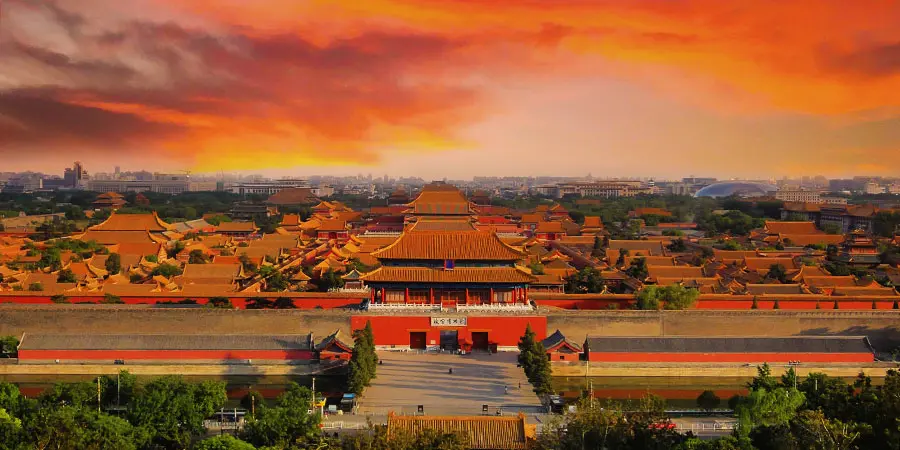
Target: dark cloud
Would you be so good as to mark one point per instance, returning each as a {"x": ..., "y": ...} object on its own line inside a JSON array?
[
  {"x": 874, "y": 61},
  {"x": 338, "y": 91},
  {"x": 36, "y": 117}
]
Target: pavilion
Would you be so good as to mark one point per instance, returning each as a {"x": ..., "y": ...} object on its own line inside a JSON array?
[{"x": 448, "y": 267}]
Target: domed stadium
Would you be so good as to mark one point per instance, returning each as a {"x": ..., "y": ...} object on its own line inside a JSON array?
[{"x": 739, "y": 188}]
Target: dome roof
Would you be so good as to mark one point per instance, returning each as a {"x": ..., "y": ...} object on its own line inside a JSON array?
[{"x": 740, "y": 188}]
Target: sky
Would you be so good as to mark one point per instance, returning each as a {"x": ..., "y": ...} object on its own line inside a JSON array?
[{"x": 453, "y": 88}]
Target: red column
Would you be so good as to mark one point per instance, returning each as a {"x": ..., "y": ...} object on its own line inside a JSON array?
[
  {"x": 373, "y": 295},
  {"x": 467, "y": 296},
  {"x": 431, "y": 295},
  {"x": 383, "y": 300},
  {"x": 406, "y": 296},
  {"x": 491, "y": 298}
]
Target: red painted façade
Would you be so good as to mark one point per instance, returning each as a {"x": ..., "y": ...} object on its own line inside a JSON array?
[{"x": 481, "y": 332}]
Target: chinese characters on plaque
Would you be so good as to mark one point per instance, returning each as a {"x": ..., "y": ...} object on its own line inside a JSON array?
[{"x": 448, "y": 321}]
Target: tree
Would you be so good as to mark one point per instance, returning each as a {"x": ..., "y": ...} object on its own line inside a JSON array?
[
  {"x": 223, "y": 442},
  {"x": 638, "y": 269},
  {"x": 536, "y": 268},
  {"x": 677, "y": 246},
  {"x": 648, "y": 298},
  {"x": 288, "y": 422},
  {"x": 769, "y": 404},
  {"x": 533, "y": 359},
  {"x": 678, "y": 297},
  {"x": 65, "y": 276},
  {"x": 167, "y": 270},
  {"x": 172, "y": 410},
  {"x": 277, "y": 282},
  {"x": 11, "y": 432},
  {"x": 585, "y": 281},
  {"x": 197, "y": 257},
  {"x": 59, "y": 298},
  {"x": 251, "y": 401},
  {"x": 708, "y": 401},
  {"x": 284, "y": 303},
  {"x": 813, "y": 430},
  {"x": 259, "y": 303},
  {"x": 9, "y": 348},
  {"x": 175, "y": 249},
  {"x": 776, "y": 305},
  {"x": 755, "y": 304},
  {"x": 672, "y": 297},
  {"x": 328, "y": 280},
  {"x": 69, "y": 427},
  {"x": 220, "y": 302},
  {"x": 777, "y": 272},
  {"x": 35, "y": 287},
  {"x": 70, "y": 394},
  {"x": 113, "y": 263},
  {"x": 111, "y": 299},
  {"x": 363, "y": 362},
  {"x": 118, "y": 390}
]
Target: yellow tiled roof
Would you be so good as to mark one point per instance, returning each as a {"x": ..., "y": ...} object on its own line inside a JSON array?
[
  {"x": 133, "y": 222},
  {"x": 776, "y": 227},
  {"x": 458, "y": 275},
  {"x": 456, "y": 245},
  {"x": 479, "y": 432}
]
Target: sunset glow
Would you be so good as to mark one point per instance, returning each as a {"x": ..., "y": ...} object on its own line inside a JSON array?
[{"x": 453, "y": 88}]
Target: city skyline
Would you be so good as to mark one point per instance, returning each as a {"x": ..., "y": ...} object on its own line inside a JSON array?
[{"x": 453, "y": 89}]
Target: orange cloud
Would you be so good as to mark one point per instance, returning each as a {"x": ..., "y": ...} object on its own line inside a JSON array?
[
  {"x": 814, "y": 56},
  {"x": 233, "y": 84}
]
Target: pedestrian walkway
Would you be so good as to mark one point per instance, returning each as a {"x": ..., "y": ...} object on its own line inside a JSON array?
[{"x": 407, "y": 380}]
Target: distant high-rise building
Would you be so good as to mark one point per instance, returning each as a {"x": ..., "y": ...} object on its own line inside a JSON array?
[{"x": 75, "y": 176}]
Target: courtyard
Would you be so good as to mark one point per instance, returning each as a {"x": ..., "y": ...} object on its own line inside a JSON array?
[{"x": 409, "y": 379}]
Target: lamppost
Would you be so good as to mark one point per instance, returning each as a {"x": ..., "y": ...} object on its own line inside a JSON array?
[{"x": 793, "y": 365}]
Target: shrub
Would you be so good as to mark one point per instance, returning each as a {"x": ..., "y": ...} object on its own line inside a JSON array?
[
  {"x": 35, "y": 287},
  {"x": 59, "y": 298},
  {"x": 110, "y": 299},
  {"x": 220, "y": 302}
]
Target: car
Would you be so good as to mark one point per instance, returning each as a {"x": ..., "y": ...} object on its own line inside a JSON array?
[{"x": 662, "y": 426}]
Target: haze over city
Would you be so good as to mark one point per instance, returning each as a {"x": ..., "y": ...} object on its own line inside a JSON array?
[{"x": 453, "y": 89}]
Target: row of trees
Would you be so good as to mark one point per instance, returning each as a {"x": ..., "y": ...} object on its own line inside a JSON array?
[
  {"x": 785, "y": 413},
  {"x": 589, "y": 280},
  {"x": 533, "y": 359},
  {"x": 165, "y": 413},
  {"x": 672, "y": 297}
]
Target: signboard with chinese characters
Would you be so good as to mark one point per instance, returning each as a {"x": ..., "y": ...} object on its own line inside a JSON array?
[{"x": 448, "y": 321}]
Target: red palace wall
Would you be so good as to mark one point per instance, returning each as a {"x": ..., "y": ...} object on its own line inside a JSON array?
[
  {"x": 716, "y": 302},
  {"x": 83, "y": 355},
  {"x": 731, "y": 357},
  {"x": 503, "y": 331},
  {"x": 306, "y": 302}
]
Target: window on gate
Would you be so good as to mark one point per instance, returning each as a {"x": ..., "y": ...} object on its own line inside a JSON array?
[{"x": 392, "y": 296}]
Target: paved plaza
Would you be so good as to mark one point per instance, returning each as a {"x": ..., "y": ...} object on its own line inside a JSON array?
[{"x": 409, "y": 379}]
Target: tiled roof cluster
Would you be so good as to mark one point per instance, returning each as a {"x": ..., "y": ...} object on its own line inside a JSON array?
[{"x": 479, "y": 432}]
